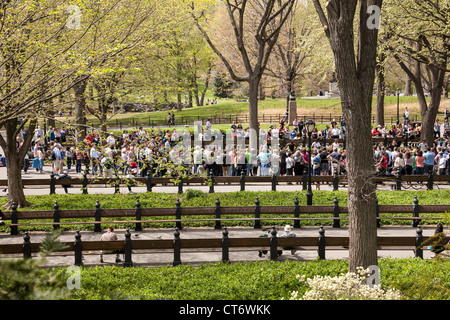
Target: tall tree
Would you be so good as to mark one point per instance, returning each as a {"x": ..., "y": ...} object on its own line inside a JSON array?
[
  {"x": 36, "y": 65},
  {"x": 356, "y": 73},
  {"x": 299, "y": 40},
  {"x": 265, "y": 18},
  {"x": 418, "y": 33}
]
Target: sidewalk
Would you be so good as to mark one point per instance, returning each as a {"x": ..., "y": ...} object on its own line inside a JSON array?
[
  {"x": 218, "y": 188},
  {"x": 165, "y": 257}
]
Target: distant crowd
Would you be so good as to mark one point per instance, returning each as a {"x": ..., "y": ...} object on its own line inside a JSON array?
[{"x": 139, "y": 152}]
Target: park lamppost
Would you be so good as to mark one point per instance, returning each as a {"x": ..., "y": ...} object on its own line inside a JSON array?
[
  {"x": 398, "y": 106},
  {"x": 309, "y": 124}
]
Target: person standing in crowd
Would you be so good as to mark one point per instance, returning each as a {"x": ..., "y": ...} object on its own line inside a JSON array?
[{"x": 428, "y": 161}]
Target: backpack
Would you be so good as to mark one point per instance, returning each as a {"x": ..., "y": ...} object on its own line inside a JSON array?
[{"x": 53, "y": 156}]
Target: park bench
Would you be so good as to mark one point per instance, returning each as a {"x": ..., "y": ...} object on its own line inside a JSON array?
[
  {"x": 217, "y": 214},
  {"x": 273, "y": 244}
]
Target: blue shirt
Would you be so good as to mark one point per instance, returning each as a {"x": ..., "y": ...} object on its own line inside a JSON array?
[{"x": 428, "y": 158}]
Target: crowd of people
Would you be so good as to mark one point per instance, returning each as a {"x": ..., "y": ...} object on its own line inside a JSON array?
[{"x": 140, "y": 152}]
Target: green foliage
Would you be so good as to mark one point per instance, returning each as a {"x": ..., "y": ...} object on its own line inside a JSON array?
[
  {"x": 192, "y": 193},
  {"x": 23, "y": 279},
  {"x": 222, "y": 86},
  {"x": 266, "y": 280},
  {"x": 196, "y": 198}
]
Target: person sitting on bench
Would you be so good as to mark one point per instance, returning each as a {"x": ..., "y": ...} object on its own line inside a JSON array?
[
  {"x": 288, "y": 233},
  {"x": 110, "y": 236}
]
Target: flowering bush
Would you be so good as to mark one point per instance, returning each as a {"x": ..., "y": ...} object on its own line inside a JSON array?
[{"x": 350, "y": 286}]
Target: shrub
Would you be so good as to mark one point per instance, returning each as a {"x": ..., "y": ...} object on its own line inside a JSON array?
[{"x": 349, "y": 286}]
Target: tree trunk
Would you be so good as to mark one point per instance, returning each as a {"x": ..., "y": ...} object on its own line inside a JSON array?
[
  {"x": 80, "y": 110},
  {"x": 253, "y": 109},
  {"x": 379, "y": 108},
  {"x": 429, "y": 114},
  {"x": 361, "y": 187},
  {"x": 15, "y": 157},
  {"x": 179, "y": 102},
  {"x": 408, "y": 86},
  {"x": 208, "y": 76},
  {"x": 356, "y": 76}
]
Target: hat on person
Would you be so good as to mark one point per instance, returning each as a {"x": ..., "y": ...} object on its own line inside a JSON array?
[
  {"x": 287, "y": 228},
  {"x": 65, "y": 172}
]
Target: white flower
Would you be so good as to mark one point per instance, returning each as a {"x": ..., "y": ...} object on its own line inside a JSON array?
[{"x": 350, "y": 286}]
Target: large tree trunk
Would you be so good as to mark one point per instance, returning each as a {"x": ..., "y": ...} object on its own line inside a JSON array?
[
  {"x": 15, "y": 157},
  {"x": 356, "y": 76},
  {"x": 429, "y": 113}
]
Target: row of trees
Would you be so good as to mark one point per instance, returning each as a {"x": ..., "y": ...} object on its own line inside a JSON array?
[{"x": 92, "y": 54}]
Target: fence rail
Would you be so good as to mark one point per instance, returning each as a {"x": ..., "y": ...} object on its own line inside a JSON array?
[
  {"x": 230, "y": 118},
  {"x": 398, "y": 181},
  {"x": 180, "y": 215},
  {"x": 272, "y": 243}
]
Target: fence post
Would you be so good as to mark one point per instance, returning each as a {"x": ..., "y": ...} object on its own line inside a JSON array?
[
  {"x": 296, "y": 213},
  {"x": 117, "y": 185},
  {"x": 322, "y": 244},
  {"x": 335, "y": 182},
  {"x": 78, "y": 249},
  {"x": 176, "y": 248},
  {"x": 430, "y": 180},
  {"x": 14, "y": 219},
  {"x": 273, "y": 244},
  {"x": 149, "y": 181},
  {"x": 26, "y": 246},
  {"x": 336, "y": 210},
  {"x": 242, "y": 180},
  {"x": 52, "y": 184},
  {"x": 398, "y": 181},
  {"x": 56, "y": 216},
  {"x": 178, "y": 214},
  {"x": 138, "y": 226},
  {"x": 419, "y": 240},
  {"x": 274, "y": 182},
  {"x": 225, "y": 245},
  {"x": 305, "y": 178},
  {"x": 211, "y": 182},
  {"x": 416, "y": 212},
  {"x": 128, "y": 249},
  {"x": 85, "y": 183},
  {"x": 180, "y": 186},
  {"x": 218, "y": 224},
  {"x": 257, "y": 224},
  {"x": 98, "y": 217}
]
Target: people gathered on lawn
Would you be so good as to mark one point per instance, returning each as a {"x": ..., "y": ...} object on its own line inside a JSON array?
[{"x": 140, "y": 152}]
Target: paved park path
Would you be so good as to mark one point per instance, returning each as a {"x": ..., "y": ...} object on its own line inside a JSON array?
[{"x": 200, "y": 256}]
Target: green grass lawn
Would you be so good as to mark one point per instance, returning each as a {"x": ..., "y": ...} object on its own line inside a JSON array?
[
  {"x": 417, "y": 279},
  {"x": 229, "y": 107},
  {"x": 191, "y": 198}
]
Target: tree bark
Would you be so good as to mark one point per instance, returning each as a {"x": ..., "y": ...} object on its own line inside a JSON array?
[
  {"x": 253, "y": 108},
  {"x": 80, "y": 109},
  {"x": 14, "y": 160},
  {"x": 356, "y": 76},
  {"x": 381, "y": 86}
]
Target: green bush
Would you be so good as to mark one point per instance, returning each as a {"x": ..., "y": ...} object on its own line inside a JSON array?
[
  {"x": 266, "y": 280},
  {"x": 196, "y": 198}
]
